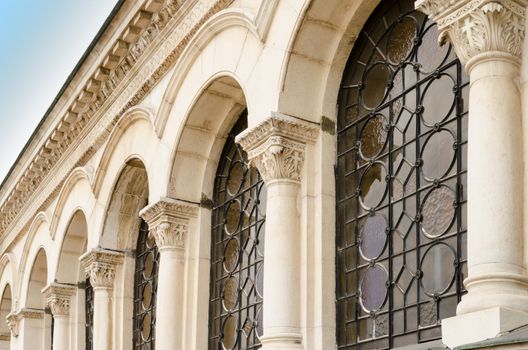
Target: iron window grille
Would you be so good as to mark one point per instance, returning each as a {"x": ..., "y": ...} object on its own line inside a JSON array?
[
  {"x": 237, "y": 247},
  {"x": 400, "y": 182}
]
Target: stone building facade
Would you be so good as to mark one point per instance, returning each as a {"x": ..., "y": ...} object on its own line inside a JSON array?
[{"x": 277, "y": 174}]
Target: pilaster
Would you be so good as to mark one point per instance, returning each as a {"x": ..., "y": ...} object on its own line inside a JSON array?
[{"x": 13, "y": 319}]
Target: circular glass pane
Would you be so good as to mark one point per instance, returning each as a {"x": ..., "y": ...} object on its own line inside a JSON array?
[
  {"x": 236, "y": 178},
  {"x": 148, "y": 268},
  {"x": 231, "y": 255},
  {"x": 146, "y": 326},
  {"x": 374, "y": 288},
  {"x": 438, "y": 100},
  {"x": 401, "y": 40},
  {"x": 438, "y": 154},
  {"x": 230, "y": 293},
  {"x": 375, "y": 85},
  {"x": 229, "y": 332},
  {"x": 438, "y": 211},
  {"x": 438, "y": 269},
  {"x": 232, "y": 218},
  {"x": 373, "y": 185},
  {"x": 373, "y": 236},
  {"x": 373, "y": 136},
  {"x": 147, "y": 296},
  {"x": 430, "y": 54}
]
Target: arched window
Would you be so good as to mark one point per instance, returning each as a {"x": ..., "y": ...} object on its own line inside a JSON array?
[
  {"x": 237, "y": 247},
  {"x": 89, "y": 313},
  {"x": 145, "y": 287},
  {"x": 401, "y": 174}
]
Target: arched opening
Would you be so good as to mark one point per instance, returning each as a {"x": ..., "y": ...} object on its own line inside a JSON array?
[
  {"x": 5, "y": 309},
  {"x": 69, "y": 272},
  {"x": 401, "y": 175},
  {"x": 124, "y": 230},
  {"x": 237, "y": 249},
  {"x": 37, "y": 331}
]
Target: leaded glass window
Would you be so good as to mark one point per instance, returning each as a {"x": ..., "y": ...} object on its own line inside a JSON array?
[
  {"x": 145, "y": 288},
  {"x": 401, "y": 174},
  {"x": 237, "y": 247},
  {"x": 89, "y": 313}
]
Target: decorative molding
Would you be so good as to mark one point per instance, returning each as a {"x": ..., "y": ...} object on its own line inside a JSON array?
[
  {"x": 5, "y": 336},
  {"x": 475, "y": 27},
  {"x": 99, "y": 265},
  {"x": 277, "y": 146},
  {"x": 168, "y": 221},
  {"x": 146, "y": 62},
  {"x": 13, "y": 319},
  {"x": 58, "y": 298}
]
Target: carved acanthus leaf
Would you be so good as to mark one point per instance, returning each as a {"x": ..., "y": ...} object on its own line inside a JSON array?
[
  {"x": 58, "y": 298},
  {"x": 479, "y": 26},
  {"x": 99, "y": 265},
  {"x": 277, "y": 146},
  {"x": 168, "y": 221}
]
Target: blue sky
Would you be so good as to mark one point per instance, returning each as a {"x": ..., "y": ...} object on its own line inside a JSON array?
[{"x": 40, "y": 43}]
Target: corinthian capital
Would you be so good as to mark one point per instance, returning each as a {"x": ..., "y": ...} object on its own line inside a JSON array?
[
  {"x": 13, "y": 319},
  {"x": 476, "y": 27},
  {"x": 58, "y": 298},
  {"x": 168, "y": 221},
  {"x": 99, "y": 265},
  {"x": 277, "y": 146}
]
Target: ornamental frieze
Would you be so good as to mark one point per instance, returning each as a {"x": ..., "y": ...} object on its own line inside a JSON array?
[{"x": 156, "y": 52}]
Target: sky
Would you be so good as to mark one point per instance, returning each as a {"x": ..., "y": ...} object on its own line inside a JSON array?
[{"x": 41, "y": 41}]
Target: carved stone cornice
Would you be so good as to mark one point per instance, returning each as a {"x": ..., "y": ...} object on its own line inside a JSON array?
[
  {"x": 476, "y": 27},
  {"x": 58, "y": 298},
  {"x": 13, "y": 319},
  {"x": 132, "y": 68},
  {"x": 277, "y": 146},
  {"x": 168, "y": 221},
  {"x": 99, "y": 265}
]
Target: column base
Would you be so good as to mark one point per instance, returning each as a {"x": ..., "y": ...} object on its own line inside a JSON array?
[
  {"x": 283, "y": 341},
  {"x": 480, "y": 325}
]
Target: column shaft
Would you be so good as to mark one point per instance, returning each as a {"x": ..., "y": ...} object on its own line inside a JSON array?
[
  {"x": 282, "y": 284},
  {"x": 169, "y": 322},
  {"x": 102, "y": 337},
  {"x": 61, "y": 333}
]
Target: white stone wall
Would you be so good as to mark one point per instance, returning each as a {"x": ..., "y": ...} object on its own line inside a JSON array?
[{"x": 273, "y": 57}]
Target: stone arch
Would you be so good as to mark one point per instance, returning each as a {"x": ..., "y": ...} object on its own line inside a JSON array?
[
  {"x": 76, "y": 194},
  {"x": 38, "y": 237},
  {"x": 326, "y": 32},
  {"x": 215, "y": 110},
  {"x": 120, "y": 232},
  {"x": 72, "y": 245},
  {"x": 37, "y": 280},
  {"x": 136, "y": 115},
  {"x": 213, "y": 113},
  {"x": 129, "y": 196},
  {"x": 6, "y": 307}
]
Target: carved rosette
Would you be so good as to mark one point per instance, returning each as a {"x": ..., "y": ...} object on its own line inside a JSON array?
[
  {"x": 168, "y": 221},
  {"x": 58, "y": 298},
  {"x": 475, "y": 27},
  {"x": 99, "y": 265},
  {"x": 13, "y": 319},
  {"x": 276, "y": 147}
]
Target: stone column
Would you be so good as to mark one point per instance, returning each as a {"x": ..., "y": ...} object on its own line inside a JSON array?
[
  {"x": 99, "y": 265},
  {"x": 277, "y": 148},
  {"x": 487, "y": 37},
  {"x": 58, "y": 300},
  {"x": 168, "y": 221}
]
